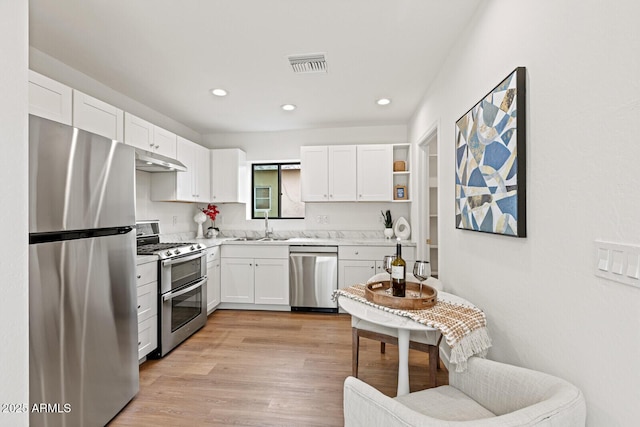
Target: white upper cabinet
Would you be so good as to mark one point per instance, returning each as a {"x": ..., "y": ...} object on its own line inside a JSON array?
[
  {"x": 375, "y": 169},
  {"x": 164, "y": 142},
  {"x": 346, "y": 173},
  {"x": 314, "y": 174},
  {"x": 189, "y": 186},
  {"x": 138, "y": 132},
  {"x": 49, "y": 99},
  {"x": 328, "y": 173},
  {"x": 342, "y": 173},
  {"x": 147, "y": 136},
  {"x": 228, "y": 176},
  {"x": 202, "y": 174},
  {"x": 97, "y": 116}
]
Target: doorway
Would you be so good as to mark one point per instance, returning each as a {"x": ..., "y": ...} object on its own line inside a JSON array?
[{"x": 428, "y": 205}]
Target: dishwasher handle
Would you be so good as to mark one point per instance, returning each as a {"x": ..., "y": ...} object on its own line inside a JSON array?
[{"x": 310, "y": 249}]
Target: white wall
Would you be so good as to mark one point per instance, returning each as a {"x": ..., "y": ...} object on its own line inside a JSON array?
[
  {"x": 546, "y": 309},
  {"x": 14, "y": 304}
]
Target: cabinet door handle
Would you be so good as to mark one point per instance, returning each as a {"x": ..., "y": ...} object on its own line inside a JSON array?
[
  {"x": 157, "y": 146},
  {"x": 139, "y": 276},
  {"x": 139, "y": 307}
]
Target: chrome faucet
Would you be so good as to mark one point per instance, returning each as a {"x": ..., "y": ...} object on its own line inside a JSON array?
[{"x": 267, "y": 233}]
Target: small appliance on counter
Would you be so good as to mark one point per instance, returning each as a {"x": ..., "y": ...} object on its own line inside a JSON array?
[{"x": 182, "y": 285}]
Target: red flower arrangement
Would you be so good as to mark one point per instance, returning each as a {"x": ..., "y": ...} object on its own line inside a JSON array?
[{"x": 211, "y": 211}]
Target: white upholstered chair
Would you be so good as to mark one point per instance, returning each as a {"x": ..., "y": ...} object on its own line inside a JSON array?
[
  {"x": 486, "y": 394},
  {"x": 423, "y": 341}
]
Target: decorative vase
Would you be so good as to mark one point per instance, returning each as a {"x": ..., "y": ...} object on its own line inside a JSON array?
[
  {"x": 388, "y": 233},
  {"x": 402, "y": 228},
  {"x": 200, "y": 218}
]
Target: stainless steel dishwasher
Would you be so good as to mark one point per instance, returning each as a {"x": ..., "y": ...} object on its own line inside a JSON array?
[{"x": 313, "y": 276}]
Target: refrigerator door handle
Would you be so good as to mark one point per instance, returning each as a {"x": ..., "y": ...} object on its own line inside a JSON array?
[{"x": 172, "y": 295}]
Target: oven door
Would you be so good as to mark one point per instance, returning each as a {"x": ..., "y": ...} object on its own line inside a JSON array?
[
  {"x": 178, "y": 272},
  {"x": 183, "y": 312}
]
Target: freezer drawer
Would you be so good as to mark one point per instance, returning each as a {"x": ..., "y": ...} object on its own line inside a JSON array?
[
  {"x": 83, "y": 329},
  {"x": 313, "y": 276}
]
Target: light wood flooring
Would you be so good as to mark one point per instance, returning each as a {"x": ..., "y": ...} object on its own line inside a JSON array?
[{"x": 258, "y": 368}]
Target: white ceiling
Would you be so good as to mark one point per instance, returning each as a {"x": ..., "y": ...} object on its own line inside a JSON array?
[{"x": 168, "y": 54}]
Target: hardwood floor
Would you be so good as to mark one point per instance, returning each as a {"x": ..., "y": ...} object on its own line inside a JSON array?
[{"x": 258, "y": 368}]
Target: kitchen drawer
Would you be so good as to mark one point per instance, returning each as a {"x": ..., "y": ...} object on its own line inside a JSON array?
[
  {"x": 213, "y": 253},
  {"x": 146, "y": 273},
  {"x": 373, "y": 252},
  {"x": 256, "y": 250},
  {"x": 147, "y": 301},
  {"x": 147, "y": 336}
]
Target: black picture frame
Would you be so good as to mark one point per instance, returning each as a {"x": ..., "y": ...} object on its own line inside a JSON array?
[{"x": 490, "y": 142}]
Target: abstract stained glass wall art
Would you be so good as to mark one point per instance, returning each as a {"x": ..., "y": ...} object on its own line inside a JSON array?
[{"x": 490, "y": 161}]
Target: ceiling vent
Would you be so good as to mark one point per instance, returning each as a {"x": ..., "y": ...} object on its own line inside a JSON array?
[{"x": 308, "y": 63}]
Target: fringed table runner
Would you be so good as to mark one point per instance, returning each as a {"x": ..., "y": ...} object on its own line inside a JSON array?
[{"x": 463, "y": 326}]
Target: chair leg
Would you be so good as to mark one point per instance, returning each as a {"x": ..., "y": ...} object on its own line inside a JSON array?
[
  {"x": 434, "y": 361},
  {"x": 382, "y": 347},
  {"x": 355, "y": 347}
]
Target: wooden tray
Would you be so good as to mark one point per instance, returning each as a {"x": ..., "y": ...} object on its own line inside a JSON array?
[{"x": 377, "y": 293}]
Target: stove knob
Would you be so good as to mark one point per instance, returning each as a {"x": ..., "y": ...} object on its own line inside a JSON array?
[
  {"x": 168, "y": 253},
  {"x": 193, "y": 248},
  {"x": 200, "y": 246},
  {"x": 177, "y": 252}
]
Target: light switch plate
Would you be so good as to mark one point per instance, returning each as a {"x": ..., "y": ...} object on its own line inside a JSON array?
[{"x": 618, "y": 262}]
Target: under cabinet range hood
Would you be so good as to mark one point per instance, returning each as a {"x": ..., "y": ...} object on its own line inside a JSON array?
[{"x": 153, "y": 162}]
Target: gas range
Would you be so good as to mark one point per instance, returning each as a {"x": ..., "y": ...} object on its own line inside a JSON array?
[
  {"x": 148, "y": 243},
  {"x": 182, "y": 285}
]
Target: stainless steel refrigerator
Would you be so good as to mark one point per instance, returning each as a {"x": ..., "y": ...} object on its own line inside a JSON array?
[{"x": 83, "y": 351}]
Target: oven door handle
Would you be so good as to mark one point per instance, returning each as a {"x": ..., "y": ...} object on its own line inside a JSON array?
[
  {"x": 171, "y": 295},
  {"x": 182, "y": 259}
]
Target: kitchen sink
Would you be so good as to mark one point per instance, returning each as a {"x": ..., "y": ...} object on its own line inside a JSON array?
[
  {"x": 273, "y": 239},
  {"x": 261, "y": 239}
]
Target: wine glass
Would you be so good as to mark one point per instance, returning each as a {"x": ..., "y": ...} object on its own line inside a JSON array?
[
  {"x": 421, "y": 271},
  {"x": 388, "y": 259}
]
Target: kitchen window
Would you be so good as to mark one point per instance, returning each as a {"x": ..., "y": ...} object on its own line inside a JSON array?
[{"x": 276, "y": 191}]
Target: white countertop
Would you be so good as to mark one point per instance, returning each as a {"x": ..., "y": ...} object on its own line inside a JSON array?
[{"x": 304, "y": 241}]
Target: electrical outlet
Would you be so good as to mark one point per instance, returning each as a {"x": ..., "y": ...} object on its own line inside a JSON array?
[
  {"x": 325, "y": 219},
  {"x": 319, "y": 219},
  {"x": 175, "y": 220}
]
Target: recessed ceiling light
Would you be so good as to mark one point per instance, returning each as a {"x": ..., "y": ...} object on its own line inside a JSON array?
[
  {"x": 288, "y": 107},
  {"x": 383, "y": 101},
  {"x": 219, "y": 92}
]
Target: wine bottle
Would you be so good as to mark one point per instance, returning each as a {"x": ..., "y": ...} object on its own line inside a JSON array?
[{"x": 398, "y": 267}]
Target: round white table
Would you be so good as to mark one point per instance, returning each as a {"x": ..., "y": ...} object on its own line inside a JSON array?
[{"x": 404, "y": 325}]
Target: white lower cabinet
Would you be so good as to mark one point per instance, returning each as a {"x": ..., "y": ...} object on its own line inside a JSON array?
[
  {"x": 254, "y": 274},
  {"x": 147, "y": 291},
  {"x": 271, "y": 281},
  {"x": 213, "y": 278},
  {"x": 356, "y": 264}
]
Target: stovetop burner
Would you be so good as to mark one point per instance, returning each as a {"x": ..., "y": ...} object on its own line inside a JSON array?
[
  {"x": 169, "y": 250},
  {"x": 148, "y": 243}
]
